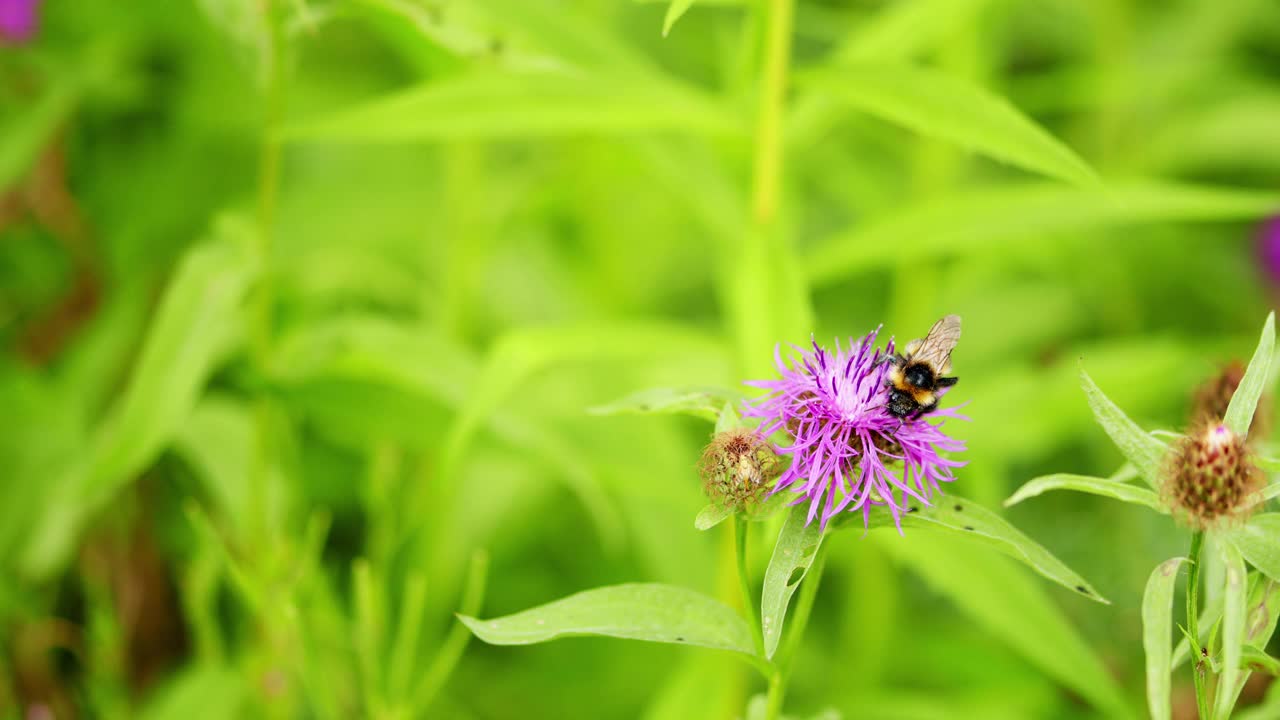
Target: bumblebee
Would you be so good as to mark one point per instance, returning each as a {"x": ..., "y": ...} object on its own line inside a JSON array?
[{"x": 917, "y": 373}]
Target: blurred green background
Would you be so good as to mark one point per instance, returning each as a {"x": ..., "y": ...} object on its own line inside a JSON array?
[{"x": 303, "y": 304}]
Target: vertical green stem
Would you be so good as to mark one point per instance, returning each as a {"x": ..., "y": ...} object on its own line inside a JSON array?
[
  {"x": 268, "y": 183},
  {"x": 748, "y": 601},
  {"x": 767, "y": 177},
  {"x": 804, "y": 607},
  {"x": 1193, "y": 616}
]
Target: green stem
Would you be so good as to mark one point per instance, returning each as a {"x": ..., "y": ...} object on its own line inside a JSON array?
[
  {"x": 744, "y": 582},
  {"x": 804, "y": 607},
  {"x": 1193, "y": 615},
  {"x": 767, "y": 176},
  {"x": 456, "y": 643}
]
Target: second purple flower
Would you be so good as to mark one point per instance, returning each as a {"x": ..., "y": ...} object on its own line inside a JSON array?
[{"x": 847, "y": 452}]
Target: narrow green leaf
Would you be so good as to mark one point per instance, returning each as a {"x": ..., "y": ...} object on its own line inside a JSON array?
[
  {"x": 1258, "y": 661},
  {"x": 728, "y": 419},
  {"x": 902, "y": 29},
  {"x": 712, "y": 515},
  {"x": 1157, "y": 626},
  {"x": 956, "y": 515},
  {"x": 703, "y": 402},
  {"x": 951, "y": 109},
  {"x": 1233, "y": 628},
  {"x": 1083, "y": 483},
  {"x": 794, "y": 552},
  {"x": 1245, "y": 399},
  {"x": 1209, "y": 618},
  {"x": 495, "y": 105},
  {"x": 1145, "y": 452},
  {"x": 196, "y": 325},
  {"x": 1005, "y": 602},
  {"x": 990, "y": 218},
  {"x": 1258, "y": 540},
  {"x": 637, "y": 611},
  {"x": 25, "y": 133},
  {"x": 676, "y": 9}
]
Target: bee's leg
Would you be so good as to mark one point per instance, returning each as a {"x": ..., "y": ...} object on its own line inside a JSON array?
[{"x": 945, "y": 382}]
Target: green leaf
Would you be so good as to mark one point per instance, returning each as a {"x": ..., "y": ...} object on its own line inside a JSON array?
[
  {"x": 1106, "y": 487},
  {"x": 675, "y": 10},
  {"x": 1245, "y": 399},
  {"x": 793, "y": 554},
  {"x": 1157, "y": 625},
  {"x": 1258, "y": 540},
  {"x": 1256, "y": 660},
  {"x": 26, "y": 133},
  {"x": 197, "y": 323},
  {"x": 703, "y": 402},
  {"x": 951, "y": 109},
  {"x": 956, "y": 515},
  {"x": 498, "y": 105},
  {"x": 1138, "y": 447},
  {"x": 1233, "y": 629},
  {"x": 988, "y": 219},
  {"x": 1010, "y": 606},
  {"x": 900, "y": 30},
  {"x": 637, "y": 611},
  {"x": 712, "y": 515},
  {"x": 728, "y": 419},
  {"x": 201, "y": 692}
]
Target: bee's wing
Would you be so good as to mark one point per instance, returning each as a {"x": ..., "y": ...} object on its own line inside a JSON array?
[{"x": 936, "y": 347}]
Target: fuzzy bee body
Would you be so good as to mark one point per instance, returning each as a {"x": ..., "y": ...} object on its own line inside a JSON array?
[{"x": 919, "y": 372}]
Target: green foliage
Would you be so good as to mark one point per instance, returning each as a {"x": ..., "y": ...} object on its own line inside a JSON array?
[
  {"x": 933, "y": 104},
  {"x": 793, "y": 554},
  {"x": 1244, "y": 401},
  {"x": 637, "y": 611},
  {"x": 324, "y": 322},
  {"x": 1157, "y": 622}
]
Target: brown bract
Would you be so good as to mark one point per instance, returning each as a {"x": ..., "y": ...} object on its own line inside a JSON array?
[{"x": 1212, "y": 398}]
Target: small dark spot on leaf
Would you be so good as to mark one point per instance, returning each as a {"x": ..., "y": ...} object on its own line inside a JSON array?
[
  {"x": 968, "y": 527},
  {"x": 679, "y": 639},
  {"x": 912, "y": 509},
  {"x": 796, "y": 576},
  {"x": 1082, "y": 589},
  {"x": 959, "y": 507}
]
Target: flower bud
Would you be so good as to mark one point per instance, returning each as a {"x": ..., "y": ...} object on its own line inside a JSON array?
[
  {"x": 1212, "y": 398},
  {"x": 738, "y": 467},
  {"x": 1209, "y": 478}
]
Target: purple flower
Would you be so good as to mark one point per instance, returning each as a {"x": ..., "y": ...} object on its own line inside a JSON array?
[
  {"x": 17, "y": 20},
  {"x": 1269, "y": 248},
  {"x": 848, "y": 452}
]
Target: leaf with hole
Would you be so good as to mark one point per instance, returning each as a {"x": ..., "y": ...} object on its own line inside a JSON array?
[{"x": 793, "y": 554}]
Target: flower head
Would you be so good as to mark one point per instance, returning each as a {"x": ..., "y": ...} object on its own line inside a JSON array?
[
  {"x": 848, "y": 453},
  {"x": 737, "y": 468},
  {"x": 1212, "y": 398},
  {"x": 1268, "y": 248},
  {"x": 1209, "y": 478},
  {"x": 17, "y": 20}
]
